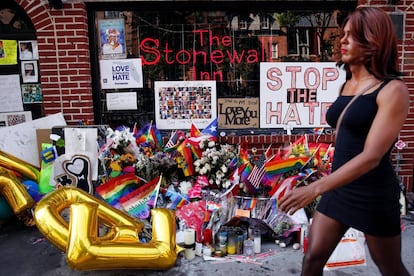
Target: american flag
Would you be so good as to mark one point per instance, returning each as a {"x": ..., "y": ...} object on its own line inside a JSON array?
[
  {"x": 256, "y": 175},
  {"x": 172, "y": 141}
]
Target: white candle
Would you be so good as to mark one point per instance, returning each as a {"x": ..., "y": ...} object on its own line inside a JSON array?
[{"x": 189, "y": 236}]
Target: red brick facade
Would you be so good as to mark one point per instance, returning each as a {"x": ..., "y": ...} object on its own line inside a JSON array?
[{"x": 65, "y": 70}]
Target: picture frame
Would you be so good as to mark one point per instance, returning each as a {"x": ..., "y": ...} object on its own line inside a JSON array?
[
  {"x": 178, "y": 104},
  {"x": 112, "y": 38},
  {"x": 32, "y": 93},
  {"x": 28, "y": 50},
  {"x": 29, "y": 71}
]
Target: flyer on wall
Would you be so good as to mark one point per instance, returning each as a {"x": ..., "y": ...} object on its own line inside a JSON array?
[
  {"x": 112, "y": 38},
  {"x": 121, "y": 73}
]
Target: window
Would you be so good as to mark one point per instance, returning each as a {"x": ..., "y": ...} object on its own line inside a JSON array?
[
  {"x": 243, "y": 24},
  {"x": 275, "y": 51},
  {"x": 199, "y": 42},
  {"x": 265, "y": 23}
]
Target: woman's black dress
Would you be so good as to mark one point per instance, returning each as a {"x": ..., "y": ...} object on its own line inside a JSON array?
[{"x": 371, "y": 202}]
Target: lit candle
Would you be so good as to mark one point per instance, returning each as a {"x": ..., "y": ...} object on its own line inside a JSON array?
[
  {"x": 189, "y": 236},
  {"x": 189, "y": 242}
]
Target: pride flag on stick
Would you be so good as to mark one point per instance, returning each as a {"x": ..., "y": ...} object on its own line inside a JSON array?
[{"x": 139, "y": 202}]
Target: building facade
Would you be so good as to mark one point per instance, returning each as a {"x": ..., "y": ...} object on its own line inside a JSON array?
[{"x": 167, "y": 36}]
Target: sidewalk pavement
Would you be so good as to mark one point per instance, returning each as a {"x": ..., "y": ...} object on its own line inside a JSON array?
[{"x": 25, "y": 252}]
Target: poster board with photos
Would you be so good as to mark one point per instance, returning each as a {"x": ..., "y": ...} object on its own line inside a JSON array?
[
  {"x": 178, "y": 104},
  {"x": 112, "y": 38}
]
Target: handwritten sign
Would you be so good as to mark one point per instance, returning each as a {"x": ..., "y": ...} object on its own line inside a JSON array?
[
  {"x": 10, "y": 93},
  {"x": 297, "y": 94},
  {"x": 238, "y": 113},
  {"x": 121, "y": 101}
]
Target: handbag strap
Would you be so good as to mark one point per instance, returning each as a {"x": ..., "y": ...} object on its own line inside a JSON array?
[{"x": 338, "y": 124}]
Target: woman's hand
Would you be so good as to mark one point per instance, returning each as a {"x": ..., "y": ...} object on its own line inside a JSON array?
[{"x": 297, "y": 199}]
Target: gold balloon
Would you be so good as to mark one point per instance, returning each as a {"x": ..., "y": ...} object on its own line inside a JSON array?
[
  {"x": 120, "y": 248},
  {"x": 85, "y": 252},
  {"x": 15, "y": 164},
  {"x": 14, "y": 192},
  {"x": 51, "y": 223}
]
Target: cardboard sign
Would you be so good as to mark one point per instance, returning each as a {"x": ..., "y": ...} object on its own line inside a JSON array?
[{"x": 238, "y": 113}]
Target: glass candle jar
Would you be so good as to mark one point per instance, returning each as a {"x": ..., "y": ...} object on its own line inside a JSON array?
[{"x": 231, "y": 242}]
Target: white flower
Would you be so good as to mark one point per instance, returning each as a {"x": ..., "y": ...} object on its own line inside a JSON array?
[
  {"x": 203, "y": 171},
  {"x": 223, "y": 168},
  {"x": 226, "y": 184},
  {"x": 185, "y": 186}
]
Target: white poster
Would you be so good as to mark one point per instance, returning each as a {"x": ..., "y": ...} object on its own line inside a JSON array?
[
  {"x": 297, "y": 94},
  {"x": 21, "y": 141},
  {"x": 14, "y": 118},
  {"x": 121, "y": 73},
  {"x": 178, "y": 104},
  {"x": 10, "y": 93},
  {"x": 121, "y": 101}
]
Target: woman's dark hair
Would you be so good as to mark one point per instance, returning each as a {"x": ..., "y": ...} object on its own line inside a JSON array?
[{"x": 373, "y": 31}]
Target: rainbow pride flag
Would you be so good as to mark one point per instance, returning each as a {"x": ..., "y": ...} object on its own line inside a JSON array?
[
  {"x": 139, "y": 202},
  {"x": 278, "y": 166},
  {"x": 118, "y": 187},
  {"x": 176, "y": 199},
  {"x": 151, "y": 135},
  {"x": 187, "y": 165},
  {"x": 250, "y": 203}
]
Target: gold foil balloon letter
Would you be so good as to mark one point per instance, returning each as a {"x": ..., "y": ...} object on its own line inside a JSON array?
[
  {"x": 119, "y": 248},
  {"x": 14, "y": 192}
]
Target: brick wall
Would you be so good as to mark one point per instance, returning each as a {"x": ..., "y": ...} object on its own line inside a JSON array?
[
  {"x": 66, "y": 74},
  {"x": 64, "y": 60}
]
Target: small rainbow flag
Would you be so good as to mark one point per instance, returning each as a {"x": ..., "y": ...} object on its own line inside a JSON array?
[
  {"x": 250, "y": 203},
  {"x": 187, "y": 165},
  {"x": 245, "y": 170},
  {"x": 149, "y": 134},
  {"x": 176, "y": 199},
  {"x": 279, "y": 166},
  {"x": 118, "y": 187}
]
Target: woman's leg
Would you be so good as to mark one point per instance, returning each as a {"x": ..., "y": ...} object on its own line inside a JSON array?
[
  {"x": 386, "y": 254},
  {"x": 324, "y": 235}
]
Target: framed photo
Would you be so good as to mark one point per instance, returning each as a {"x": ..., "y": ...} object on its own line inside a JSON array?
[
  {"x": 32, "y": 93},
  {"x": 28, "y": 50},
  {"x": 178, "y": 104},
  {"x": 29, "y": 71},
  {"x": 112, "y": 38}
]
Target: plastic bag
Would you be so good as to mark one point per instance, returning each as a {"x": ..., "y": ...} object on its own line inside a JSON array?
[{"x": 349, "y": 252}]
